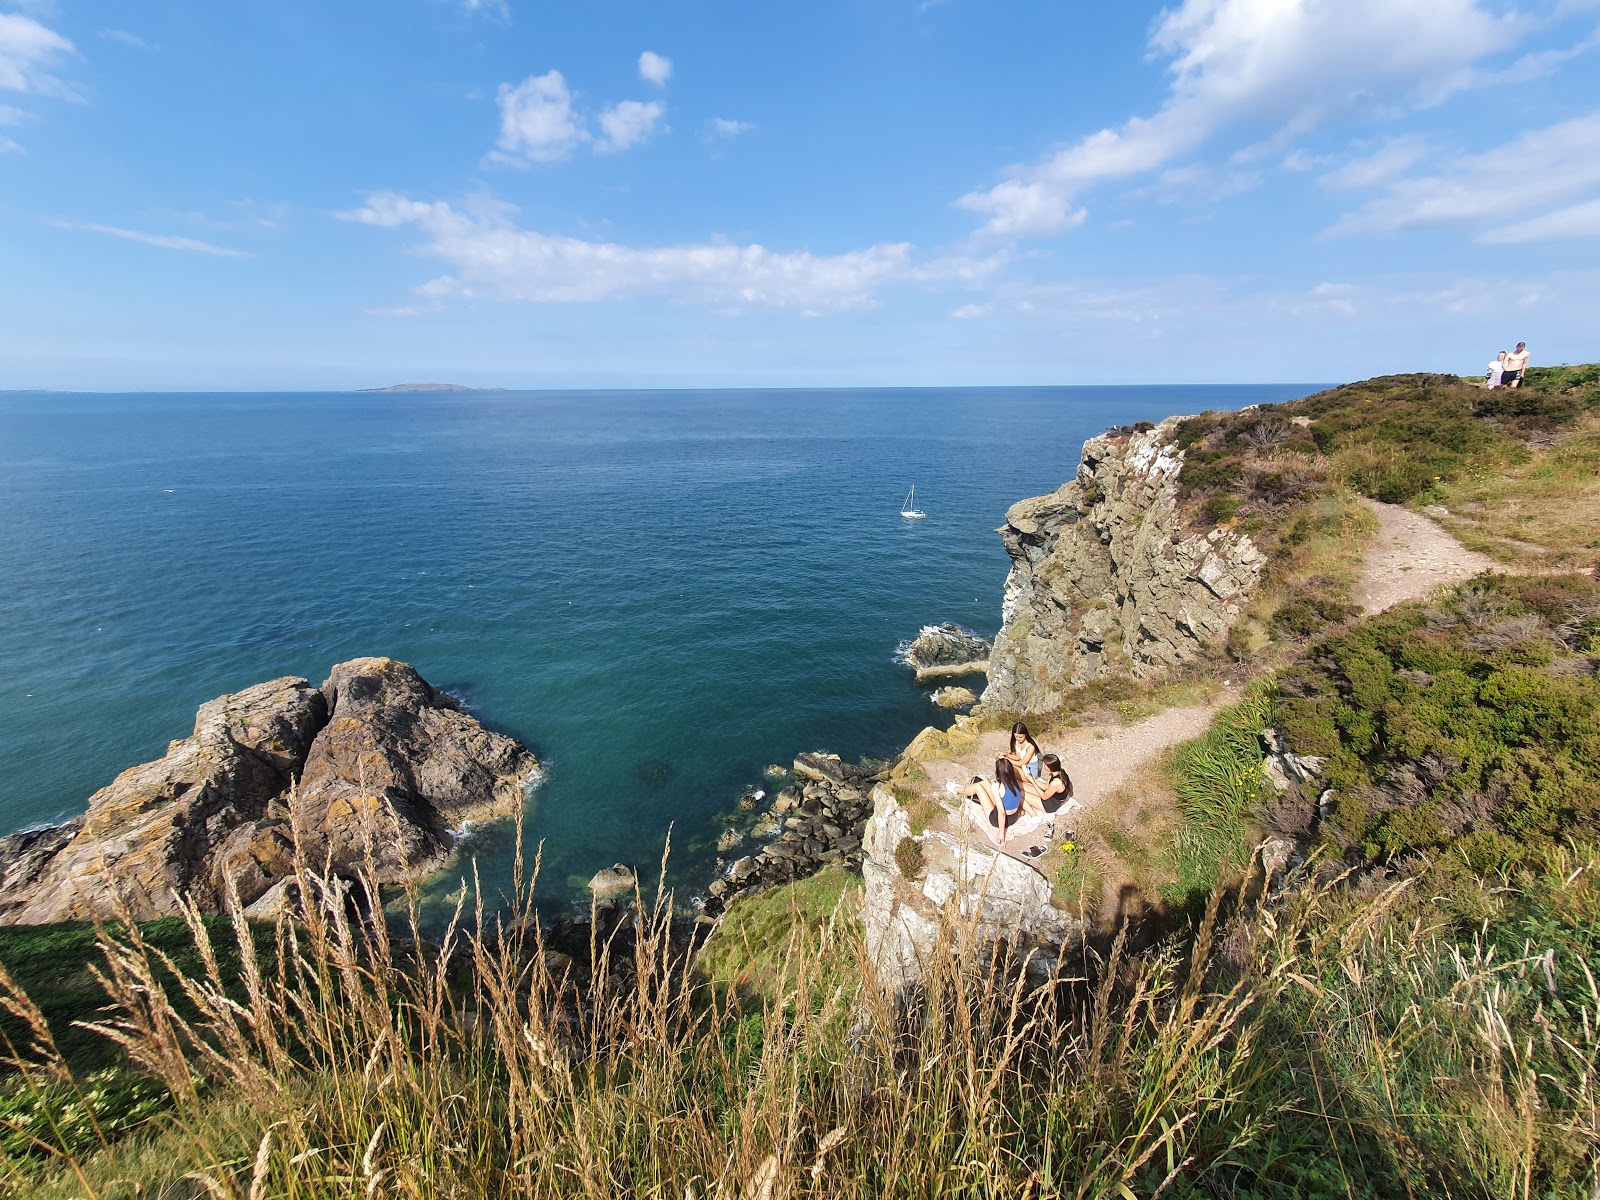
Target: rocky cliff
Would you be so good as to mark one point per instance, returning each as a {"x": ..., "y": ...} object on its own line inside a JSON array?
[
  {"x": 915, "y": 881},
  {"x": 1106, "y": 580},
  {"x": 377, "y": 762}
]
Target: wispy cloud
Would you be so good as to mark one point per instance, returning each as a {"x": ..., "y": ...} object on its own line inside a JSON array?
[
  {"x": 29, "y": 53},
  {"x": 1246, "y": 66},
  {"x": 1555, "y": 169},
  {"x": 655, "y": 68},
  {"x": 726, "y": 127},
  {"x": 1395, "y": 157},
  {"x": 490, "y": 256},
  {"x": 132, "y": 40},
  {"x": 489, "y": 8},
  {"x": 164, "y": 241}
]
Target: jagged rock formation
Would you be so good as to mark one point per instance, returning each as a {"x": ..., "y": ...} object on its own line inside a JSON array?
[
  {"x": 1105, "y": 580},
  {"x": 815, "y": 822},
  {"x": 385, "y": 765},
  {"x": 941, "y": 650},
  {"x": 916, "y": 880}
]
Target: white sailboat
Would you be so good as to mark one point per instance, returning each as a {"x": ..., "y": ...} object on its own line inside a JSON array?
[{"x": 909, "y": 509}]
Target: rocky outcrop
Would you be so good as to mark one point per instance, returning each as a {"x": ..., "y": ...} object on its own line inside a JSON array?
[
  {"x": 917, "y": 880},
  {"x": 1106, "y": 580},
  {"x": 378, "y": 764},
  {"x": 817, "y": 821},
  {"x": 942, "y": 650}
]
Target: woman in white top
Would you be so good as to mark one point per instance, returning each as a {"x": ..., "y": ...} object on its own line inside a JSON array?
[{"x": 1496, "y": 369}]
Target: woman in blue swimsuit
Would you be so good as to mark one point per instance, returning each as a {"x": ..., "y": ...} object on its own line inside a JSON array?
[{"x": 1001, "y": 799}]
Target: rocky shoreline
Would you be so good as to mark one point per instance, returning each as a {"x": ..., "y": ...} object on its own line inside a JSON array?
[
  {"x": 816, "y": 821},
  {"x": 375, "y": 771}
]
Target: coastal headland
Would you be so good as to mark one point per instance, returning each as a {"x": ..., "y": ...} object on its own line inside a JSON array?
[{"x": 1318, "y": 921}]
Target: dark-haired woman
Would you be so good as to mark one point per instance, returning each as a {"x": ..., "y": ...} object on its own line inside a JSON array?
[
  {"x": 1024, "y": 751},
  {"x": 1001, "y": 799},
  {"x": 1054, "y": 787}
]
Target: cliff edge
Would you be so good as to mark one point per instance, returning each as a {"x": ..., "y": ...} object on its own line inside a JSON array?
[{"x": 1106, "y": 580}]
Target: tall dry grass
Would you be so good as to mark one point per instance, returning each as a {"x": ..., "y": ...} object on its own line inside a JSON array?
[{"x": 353, "y": 1061}]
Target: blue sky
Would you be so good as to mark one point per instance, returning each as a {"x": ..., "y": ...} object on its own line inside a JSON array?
[{"x": 351, "y": 193}]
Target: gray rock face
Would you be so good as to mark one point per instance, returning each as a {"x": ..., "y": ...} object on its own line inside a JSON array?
[
  {"x": 941, "y": 650},
  {"x": 381, "y": 759},
  {"x": 958, "y": 878},
  {"x": 1104, "y": 580}
]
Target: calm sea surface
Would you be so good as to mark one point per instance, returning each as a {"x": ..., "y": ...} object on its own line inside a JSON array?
[{"x": 660, "y": 592}]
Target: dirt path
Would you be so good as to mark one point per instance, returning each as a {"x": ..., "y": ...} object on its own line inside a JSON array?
[
  {"x": 1099, "y": 758},
  {"x": 1410, "y": 557}
]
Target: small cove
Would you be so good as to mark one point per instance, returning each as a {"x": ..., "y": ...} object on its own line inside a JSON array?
[{"x": 660, "y": 592}]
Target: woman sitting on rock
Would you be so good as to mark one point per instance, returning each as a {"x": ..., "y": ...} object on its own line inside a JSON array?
[
  {"x": 1024, "y": 751},
  {"x": 1002, "y": 800}
]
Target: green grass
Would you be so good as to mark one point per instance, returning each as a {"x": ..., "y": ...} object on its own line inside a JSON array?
[
  {"x": 1220, "y": 786},
  {"x": 755, "y": 938}
]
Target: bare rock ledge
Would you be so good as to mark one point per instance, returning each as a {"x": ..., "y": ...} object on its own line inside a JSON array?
[{"x": 376, "y": 757}]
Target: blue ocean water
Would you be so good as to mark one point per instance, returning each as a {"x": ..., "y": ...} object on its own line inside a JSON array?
[{"x": 660, "y": 592}]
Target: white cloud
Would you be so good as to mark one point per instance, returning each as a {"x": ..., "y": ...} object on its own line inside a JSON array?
[
  {"x": 1555, "y": 166},
  {"x": 728, "y": 128},
  {"x": 164, "y": 241},
  {"x": 1018, "y": 209},
  {"x": 1395, "y": 157},
  {"x": 490, "y": 8},
  {"x": 537, "y": 123},
  {"x": 627, "y": 124},
  {"x": 970, "y": 312},
  {"x": 1273, "y": 65},
  {"x": 1575, "y": 221},
  {"x": 28, "y": 52},
  {"x": 491, "y": 257},
  {"x": 123, "y": 37},
  {"x": 9, "y": 145},
  {"x": 654, "y": 68},
  {"x": 13, "y": 116}
]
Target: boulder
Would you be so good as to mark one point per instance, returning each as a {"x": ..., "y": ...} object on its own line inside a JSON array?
[
  {"x": 947, "y": 650},
  {"x": 953, "y": 697},
  {"x": 374, "y": 763},
  {"x": 612, "y": 881}
]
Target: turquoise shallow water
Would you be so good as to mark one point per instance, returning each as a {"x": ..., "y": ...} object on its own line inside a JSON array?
[{"x": 660, "y": 592}]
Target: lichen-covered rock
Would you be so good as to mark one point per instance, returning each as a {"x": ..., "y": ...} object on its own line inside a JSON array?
[
  {"x": 1104, "y": 578},
  {"x": 940, "y": 650},
  {"x": 953, "y": 697},
  {"x": 385, "y": 764}
]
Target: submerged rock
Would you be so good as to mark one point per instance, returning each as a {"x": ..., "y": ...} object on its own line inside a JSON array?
[
  {"x": 383, "y": 767},
  {"x": 948, "y": 650},
  {"x": 612, "y": 881}
]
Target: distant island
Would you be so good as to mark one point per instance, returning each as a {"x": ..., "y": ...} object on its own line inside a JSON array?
[{"x": 428, "y": 387}]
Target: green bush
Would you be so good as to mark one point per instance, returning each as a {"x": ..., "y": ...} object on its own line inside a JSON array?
[{"x": 1466, "y": 724}]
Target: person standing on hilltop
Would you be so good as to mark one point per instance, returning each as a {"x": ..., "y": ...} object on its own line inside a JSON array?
[
  {"x": 1497, "y": 370},
  {"x": 1516, "y": 366}
]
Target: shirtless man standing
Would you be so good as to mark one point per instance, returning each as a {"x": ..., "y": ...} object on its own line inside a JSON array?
[{"x": 1516, "y": 365}]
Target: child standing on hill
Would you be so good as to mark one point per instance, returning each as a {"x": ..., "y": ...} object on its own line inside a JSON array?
[{"x": 1497, "y": 370}]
